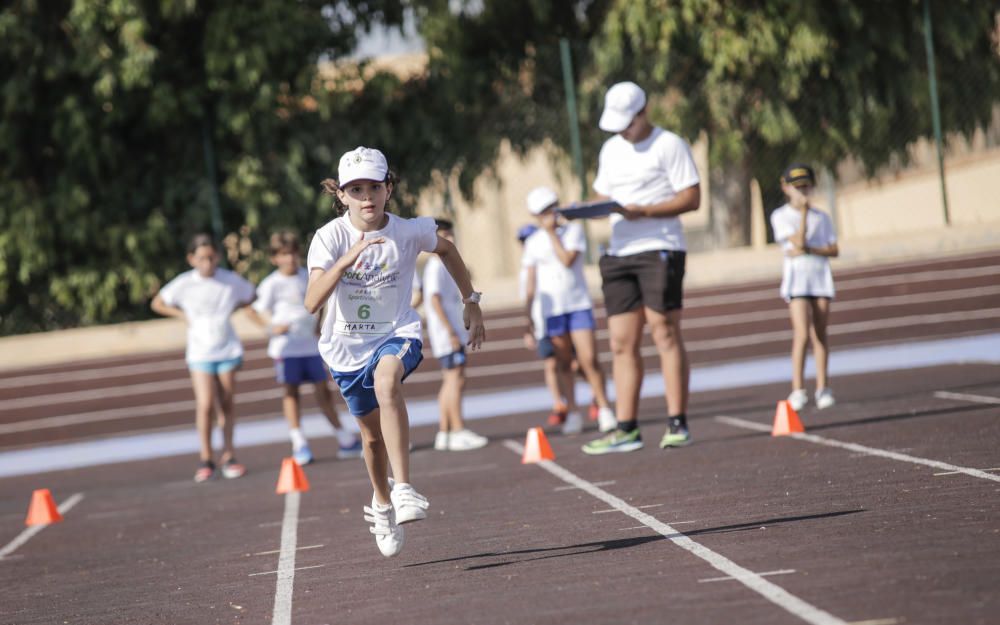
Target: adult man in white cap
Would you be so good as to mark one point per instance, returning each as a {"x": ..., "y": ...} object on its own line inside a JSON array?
[{"x": 650, "y": 172}]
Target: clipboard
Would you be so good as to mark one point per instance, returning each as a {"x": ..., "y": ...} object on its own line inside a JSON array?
[{"x": 587, "y": 210}]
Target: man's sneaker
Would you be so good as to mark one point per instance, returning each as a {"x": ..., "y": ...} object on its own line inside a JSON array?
[
  {"x": 606, "y": 420},
  {"x": 352, "y": 450},
  {"x": 573, "y": 423},
  {"x": 409, "y": 504},
  {"x": 824, "y": 398},
  {"x": 617, "y": 441},
  {"x": 557, "y": 416},
  {"x": 595, "y": 411},
  {"x": 303, "y": 455},
  {"x": 798, "y": 399},
  {"x": 232, "y": 469},
  {"x": 675, "y": 436},
  {"x": 205, "y": 472},
  {"x": 463, "y": 440},
  {"x": 389, "y": 536}
]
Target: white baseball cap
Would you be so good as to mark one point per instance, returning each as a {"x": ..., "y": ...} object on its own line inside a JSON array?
[
  {"x": 362, "y": 163},
  {"x": 622, "y": 103},
  {"x": 541, "y": 198}
]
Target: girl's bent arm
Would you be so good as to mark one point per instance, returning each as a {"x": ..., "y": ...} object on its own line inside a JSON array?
[
  {"x": 161, "y": 308},
  {"x": 323, "y": 282}
]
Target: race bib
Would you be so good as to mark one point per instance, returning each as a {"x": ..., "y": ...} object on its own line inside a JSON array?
[{"x": 367, "y": 310}]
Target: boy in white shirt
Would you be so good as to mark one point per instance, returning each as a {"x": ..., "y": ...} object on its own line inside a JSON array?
[
  {"x": 554, "y": 282},
  {"x": 447, "y": 334},
  {"x": 292, "y": 345},
  {"x": 809, "y": 242},
  {"x": 205, "y": 297}
]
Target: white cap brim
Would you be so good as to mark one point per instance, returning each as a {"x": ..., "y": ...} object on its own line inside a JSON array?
[{"x": 613, "y": 121}]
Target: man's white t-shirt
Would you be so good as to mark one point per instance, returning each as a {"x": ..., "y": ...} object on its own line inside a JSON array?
[
  {"x": 651, "y": 171},
  {"x": 805, "y": 274},
  {"x": 558, "y": 289},
  {"x": 207, "y": 304},
  {"x": 437, "y": 281},
  {"x": 283, "y": 298},
  {"x": 371, "y": 303}
]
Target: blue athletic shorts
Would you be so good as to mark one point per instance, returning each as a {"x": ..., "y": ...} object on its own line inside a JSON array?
[
  {"x": 545, "y": 349},
  {"x": 453, "y": 360},
  {"x": 215, "y": 367},
  {"x": 358, "y": 387},
  {"x": 299, "y": 369},
  {"x": 570, "y": 322}
]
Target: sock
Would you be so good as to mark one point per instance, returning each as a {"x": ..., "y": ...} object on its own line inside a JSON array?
[
  {"x": 345, "y": 438},
  {"x": 628, "y": 426},
  {"x": 298, "y": 438},
  {"x": 678, "y": 421}
]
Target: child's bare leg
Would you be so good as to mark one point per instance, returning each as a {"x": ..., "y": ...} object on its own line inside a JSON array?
[
  {"x": 552, "y": 380},
  {"x": 325, "y": 400},
  {"x": 204, "y": 402},
  {"x": 820, "y": 345},
  {"x": 290, "y": 406},
  {"x": 226, "y": 385},
  {"x": 376, "y": 458},
  {"x": 454, "y": 382},
  {"x": 798, "y": 310},
  {"x": 563, "y": 347},
  {"x": 395, "y": 421},
  {"x": 444, "y": 403},
  {"x": 586, "y": 355}
]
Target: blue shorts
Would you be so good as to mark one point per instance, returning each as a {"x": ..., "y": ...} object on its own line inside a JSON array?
[
  {"x": 299, "y": 369},
  {"x": 215, "y": 367},
  {"x": 358, "y": 387},
  {"x": 570, "y": 322},
  {"x": 453, "y": 360},
  {"x": 545, "y": 349}
]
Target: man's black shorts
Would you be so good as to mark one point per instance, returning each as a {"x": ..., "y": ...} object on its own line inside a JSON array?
[{"x": 654, "y": 279}]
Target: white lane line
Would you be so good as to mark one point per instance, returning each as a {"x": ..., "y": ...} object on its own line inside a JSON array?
[
  {"x": 282, "y": 522},
  {"x": 27, "y": 534},
  {"x": 558, "y": 488},
  {"x": 978, "y": 399},
  {"x": 733, "y": 579},
  {"x": 298, "y": 568},
  {"x": 652, "y": 505},
  {"x": 861, "y": 449},
  {"x": 770, "y": 591},
  {"x": 286, "y": 561},
  {"x": 274, "y": 551},
  {"x": 645, "y": 527},
  {"x": 957, "y": 472}
]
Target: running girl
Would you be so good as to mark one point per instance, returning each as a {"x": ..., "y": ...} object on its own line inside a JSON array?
[
  {"x": 206, "y": 297},
  {"x": 361, "y": 268}
]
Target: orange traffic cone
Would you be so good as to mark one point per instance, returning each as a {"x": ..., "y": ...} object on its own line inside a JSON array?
[
  {"x": 536, "y": 447},
  {"x": 42, "y": 509},
  {"x": 786, "y": 420},
  {"x": 292, "y": 478}
]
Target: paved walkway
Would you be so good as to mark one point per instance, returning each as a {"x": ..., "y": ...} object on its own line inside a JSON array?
[{"x": 705, "y": 269}]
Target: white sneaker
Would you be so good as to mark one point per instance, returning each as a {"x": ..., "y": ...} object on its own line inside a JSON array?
[
  {"x": 573, "y": 423},
  {"x": 824, "y": 398},
  {"x": 441, "y": 441},
  {"x": 409, "y": 504},
  {"x": 389, "y": 536},
  {"x": 798, "y": 399},
  {"x": 463, "y": 440},
  {"x": 606, "y": 420}
]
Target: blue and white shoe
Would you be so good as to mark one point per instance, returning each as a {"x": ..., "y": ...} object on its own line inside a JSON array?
[
  {"x": 350, "y": 451},
  {"x": 302, "y": 455}
]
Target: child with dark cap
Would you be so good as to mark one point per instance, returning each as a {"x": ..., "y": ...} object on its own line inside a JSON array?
[{"x": 808, "y": 239}]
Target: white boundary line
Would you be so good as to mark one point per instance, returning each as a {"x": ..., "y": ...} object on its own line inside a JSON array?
[
  {"x": 861, "y": 449},
  {"x": 286, "y": 561},
  {"x": 772, "y": 592},
  {"x": 978, "y": 399},
  {"x": 26, "y": 535}
]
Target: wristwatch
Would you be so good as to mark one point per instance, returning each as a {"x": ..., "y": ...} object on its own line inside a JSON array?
[{"x": 473, "y": 298}]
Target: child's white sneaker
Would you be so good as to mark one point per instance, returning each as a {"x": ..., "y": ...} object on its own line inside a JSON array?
[
  {"x": 798, "y": 399},
  {"x": 463, "y": 440},
  {"x": 389, "y": 536},
  {"x": 606, "y": 420},
  {"x": 409, "y": 504},
  {"x": 824, "y": 398},
  {"x": 573, "y": 423}
]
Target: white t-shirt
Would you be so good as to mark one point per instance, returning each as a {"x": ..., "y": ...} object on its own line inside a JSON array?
[
  {"x": 805, "y": 274},
  {"x": 651, "y": 171},
  {"x": 371, "y": 303},
  {"x": 437, "y": 281},
  {"x": 537, "y": 320},
  {"x": 558, "y": 289},
  {"x": 207, "y": 304},
  {"x": 283, "y": 298}
]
